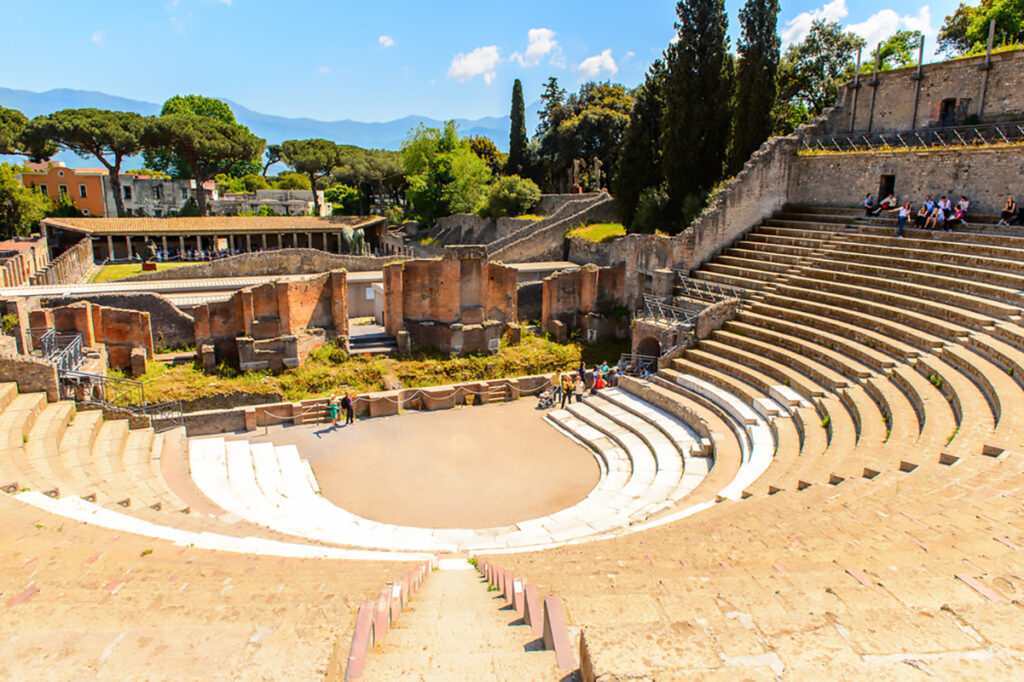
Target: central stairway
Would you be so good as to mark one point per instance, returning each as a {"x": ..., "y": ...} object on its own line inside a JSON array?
[{"x": 455, "y": 629}]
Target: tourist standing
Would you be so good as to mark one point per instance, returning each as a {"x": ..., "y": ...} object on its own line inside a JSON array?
[
  {"x": 902, "y": 218},
  {"x": 869, "y": 205},
  {"x": 350, "y": 408},
  {"x": 556, "y": 387},
  {"x": 567, "y": 387},
  {"x": 332, "y": 405},
  {"x": 578, "y": 389}
]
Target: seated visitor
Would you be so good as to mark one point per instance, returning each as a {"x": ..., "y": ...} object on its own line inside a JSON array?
[
  {"x": 888, "y": 204},
  {"x": 936, "y": 220},
  {"x": 1009, "y": 212},
  {"x": 921, "y": 217},
  {"x": 964, "y": 203},
  {"x": 929, "y": 204},
  {"x": 946, "y": 205},
  {"x": 869, "y": 205},
  {"x": 958, "y": 218}
]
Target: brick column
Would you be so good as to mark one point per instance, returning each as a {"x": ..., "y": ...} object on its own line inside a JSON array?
[
  {"x": 128, "y": 242},
  {"x": 110, "y": 246}
]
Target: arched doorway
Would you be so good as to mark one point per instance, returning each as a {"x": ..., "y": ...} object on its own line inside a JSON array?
[{"x": 649, "y": 346}]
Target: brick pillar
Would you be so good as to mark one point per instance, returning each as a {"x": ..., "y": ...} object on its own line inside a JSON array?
[
  {"x": 128, "y": 243},
  {"x": 110, "y": 246},
  {"x": 163, "y": 241},
  {"x": 339, "y": 301},
  {"x": 264, "y": 238},
  {"x": 181, "y": 244},
  {"x": 231, "y": 243},
  {"x": 248, "y": 242}
]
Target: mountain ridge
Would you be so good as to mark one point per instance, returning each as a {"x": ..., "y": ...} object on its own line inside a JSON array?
[{"x": 273, "y": 128}]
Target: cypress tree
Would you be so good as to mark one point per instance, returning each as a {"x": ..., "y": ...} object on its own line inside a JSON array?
[
  {"x": 755, "y": 79},
  {"x": 697, "y": 120},
  {"x": 640, "y": 159},
  {"x": 516, "y": 164}
]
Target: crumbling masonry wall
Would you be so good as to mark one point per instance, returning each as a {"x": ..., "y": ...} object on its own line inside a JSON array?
[
  {"x": 459, "y": 303},
  {"x": 591, "y": 299},
  {"x": 274, "y": 325},
  {"x": 121, "y": 332}
]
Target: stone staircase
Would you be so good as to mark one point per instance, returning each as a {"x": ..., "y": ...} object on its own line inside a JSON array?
[
  {"x": 881, "y": 377},
  {"x": 456, "y": 629}
]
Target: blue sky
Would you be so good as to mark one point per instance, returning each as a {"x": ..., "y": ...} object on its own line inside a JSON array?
[{"x": 370, "y": 61}]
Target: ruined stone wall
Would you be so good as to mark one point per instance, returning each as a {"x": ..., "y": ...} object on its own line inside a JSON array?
[
  {"x": 69, "y": 267},
  {"x": 963, "y": 80},
  {"x": 268, "y": 264},
  {"x": 32, "y": 375},
  {"x": 545, "y": 240},
  {"x": 271, "y": 311},
  {"x": 585, "y": 299},
  {"x": 549, "y": 203},
  {"x": 119, "y": 331},
  {"x": 459, "y": 303},
  {"x": 18, "y": 266},
  {"x": 171, "y": 326},
  {"x": 986, "y": 176}
]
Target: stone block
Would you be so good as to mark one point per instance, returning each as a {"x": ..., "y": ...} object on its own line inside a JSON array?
[
  {"x": 208, "y": 354},
  {"x": 250, "y": 419},
  {"x": 383, "y": 405},
  {"x": 138, "y": 361},
  {"x": 532, "y": 613},
  {"x": 149, "y": 266},
  {"x": 515, "y": 334},
  {"x": 404, "y": 341},
  {"x": 558, "y": 330}
]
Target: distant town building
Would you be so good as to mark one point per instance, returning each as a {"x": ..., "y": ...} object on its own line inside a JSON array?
[
  {"x": 146, "y": 196},
  {"x": 90, "y": 190},
  {"x": 83, "y": 186},
  {"x": 293, "y": 202}
]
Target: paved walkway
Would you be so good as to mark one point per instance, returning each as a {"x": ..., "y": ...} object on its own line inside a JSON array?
[
  {"x": 470, "y": 467},
  {"x": 455, "y": 630}
]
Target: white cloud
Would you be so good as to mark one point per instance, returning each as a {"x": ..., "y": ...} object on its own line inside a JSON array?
[
  {"x": 98, "y": 37},
  {"x": 591, "y": 67},
  {"x": 539, "y": 42},
  {"x": 325, "y": 69},
  {"x": 883, "y": 24},
  {"x": 799, "y": 26},
  {"x": 480, "y": 62},
  {"x": 385, "y": 40}
]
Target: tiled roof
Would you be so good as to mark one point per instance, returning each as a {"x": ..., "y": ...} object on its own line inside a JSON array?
[{"x": 209, "y": 225}]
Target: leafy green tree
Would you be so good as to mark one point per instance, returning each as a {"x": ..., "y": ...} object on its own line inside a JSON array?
[
  {"x": 12, "y": 123},
  {"x": 314, "y": 158},
  {"x": 164, "y": 159},
  {"x": 758, "y": 49},
  {"x": 344, "y": 199},
  {"x": 443, "y": 173},
  {"x": 379, "y": 175},
  {"x": 517, "y": 138},
  {"x": 272, "y": 156},
  {"x": 485, "y": 148},
  {"x": 553, "y": 98},
  {"x": 899, "y": 50},
  {"x": 640, "y": 158},
  {"x": 588, "y": 125},
  {"x": 511, "y": 195},
  {"x": 288, "y": 180},
  {"x": 698, "y": 93},
  {"x": 227, "y": 184},
  {"x": 63, "y": 208},
  {"x": 107, "y": 136},
  {"x": 21, "y": 208},
  {"x": 965, "y": 31},
  {"x": 207, "y": 145},
  {"x": 811, "y": 72}
]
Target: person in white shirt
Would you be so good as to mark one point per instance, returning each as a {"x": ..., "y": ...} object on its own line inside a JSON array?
[
  {"x": 946, "y": 205},
  {"x": 902, "y": 218}
]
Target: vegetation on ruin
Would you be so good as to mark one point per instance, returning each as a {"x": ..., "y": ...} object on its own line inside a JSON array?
[
  {"x": 109, "y": 273},
  {"x": 911, "y": 148},
  {"x": 330, "y": 369},
  {"x": 598, "y": 232}
]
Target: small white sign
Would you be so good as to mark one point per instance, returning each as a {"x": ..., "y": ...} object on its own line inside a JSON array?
[
  {"x": 369, "y": 293},
  {"x": 494, "y": 344}
]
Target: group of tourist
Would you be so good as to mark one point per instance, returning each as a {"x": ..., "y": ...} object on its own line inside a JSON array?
[
  {"x": 567, "y": 385},
  {"x": 931, "y": 215},
  {"x": 335, "y": 405}
]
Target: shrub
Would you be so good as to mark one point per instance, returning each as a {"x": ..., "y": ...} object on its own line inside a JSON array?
[
  {"x": 511, "y": 195},
  {"x": 651, "y": 211}
]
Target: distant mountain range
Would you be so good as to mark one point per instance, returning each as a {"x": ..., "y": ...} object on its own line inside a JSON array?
[{"x": 386, "y": 135}]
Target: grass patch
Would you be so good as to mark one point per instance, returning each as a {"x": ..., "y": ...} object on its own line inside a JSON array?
[
  {"x": 109, "y": 273},
  {"x": 599, "y": 232},
  {"x": 531, "y": 216},
  {"x": 329, "y": 369}
]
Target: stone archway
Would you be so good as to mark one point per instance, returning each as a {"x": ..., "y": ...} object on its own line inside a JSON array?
[{"x": 649, "y": 346}]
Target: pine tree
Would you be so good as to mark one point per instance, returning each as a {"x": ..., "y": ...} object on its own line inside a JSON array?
[
  {"x": 695, "y": 128},
  {"x": 755, "y": 79},
  {"x": 553, "y": 98},
  {"x": 640, "y": 159},
  {"x": 517, "y": 136}
]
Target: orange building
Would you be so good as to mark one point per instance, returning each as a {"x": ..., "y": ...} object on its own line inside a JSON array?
[{"x": 83, "y": 185}]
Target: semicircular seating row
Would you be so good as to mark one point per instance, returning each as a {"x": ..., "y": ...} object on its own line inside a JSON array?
[{"x": 891, "y": 505}]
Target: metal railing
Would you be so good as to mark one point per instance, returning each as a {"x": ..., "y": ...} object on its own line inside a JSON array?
[
  {"x": 633, "y": 364},
  {"x": 656, "y": 309},
  {"x": 62, "y": 349},
  {"x": 704, "y": 290},
  {"x": 119, "y": 395},
  {"x": 949, "y": 136}
]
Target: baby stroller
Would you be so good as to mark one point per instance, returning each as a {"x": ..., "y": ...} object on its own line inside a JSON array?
[{"x": 546, "y": 400}]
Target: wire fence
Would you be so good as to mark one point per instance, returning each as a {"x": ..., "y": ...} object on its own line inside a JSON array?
[{"x": 924, "y": 138}]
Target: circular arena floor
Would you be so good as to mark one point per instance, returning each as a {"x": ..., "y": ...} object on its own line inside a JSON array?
[{"x": 479, "y": 467}]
